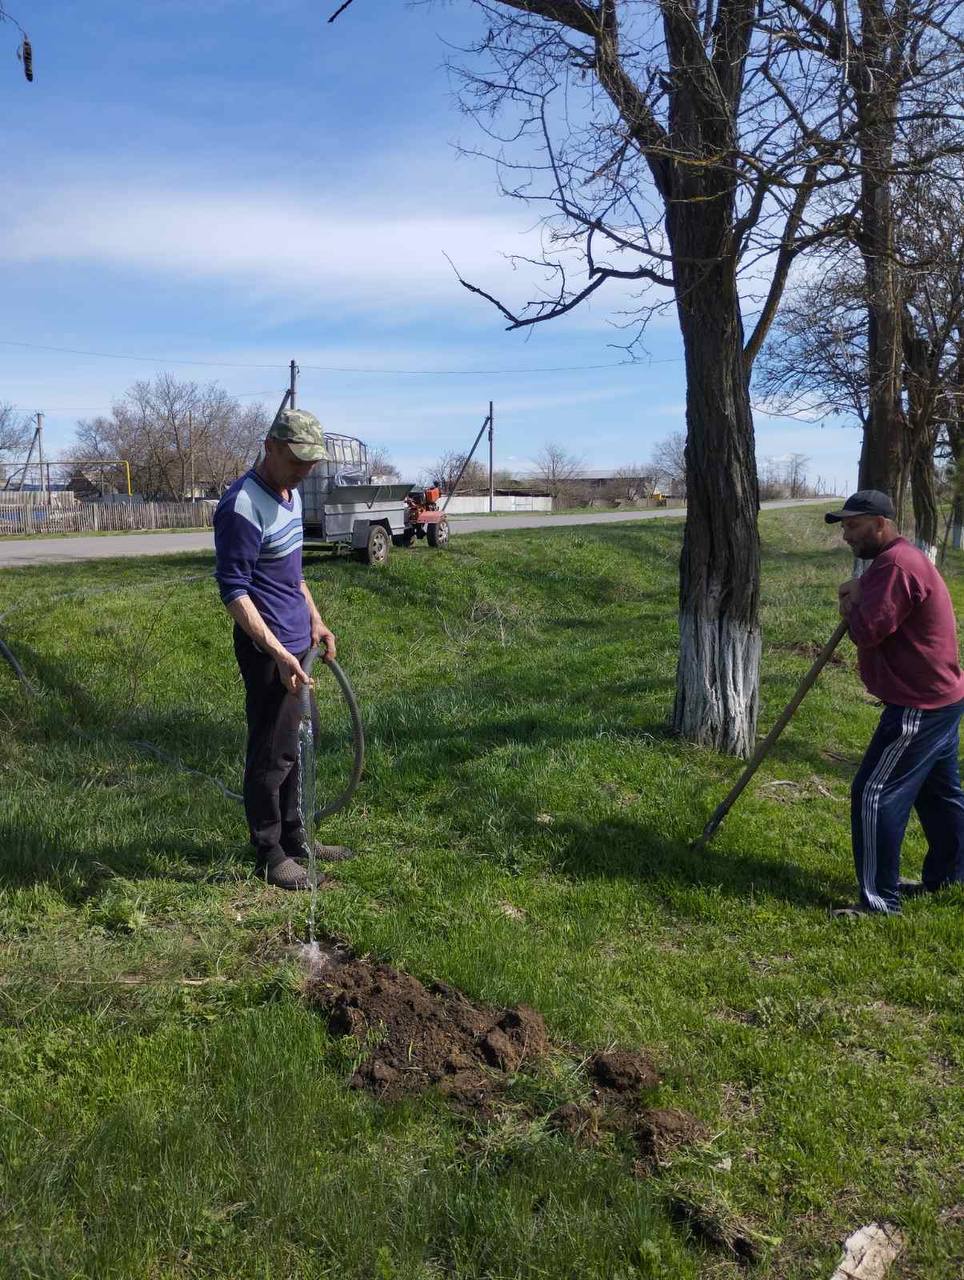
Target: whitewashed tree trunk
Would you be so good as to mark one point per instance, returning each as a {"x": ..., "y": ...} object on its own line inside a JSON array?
[
  {"x": 929, "y": 549},
  {"x": 716, "y": 683},
  {"x": 719, "y": 657}
]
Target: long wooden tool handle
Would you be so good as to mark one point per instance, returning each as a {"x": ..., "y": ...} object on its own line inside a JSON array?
[{"x": 758, "y": 756}]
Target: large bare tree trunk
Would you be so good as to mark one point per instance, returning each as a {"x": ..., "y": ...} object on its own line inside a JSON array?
[
  {"x": 719, "y": 658},
  {"x": 921, "y": 435},
  {"x": 882, "y": 456}
]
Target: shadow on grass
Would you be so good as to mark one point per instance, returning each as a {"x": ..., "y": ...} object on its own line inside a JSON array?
[
  {"x": 620, "y": 849},
  {"x": 33, "y": 854}
]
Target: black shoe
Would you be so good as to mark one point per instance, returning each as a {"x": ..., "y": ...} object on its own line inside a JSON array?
[
  {"x": 296, "y": 847},
  {"x": 911, "y": 888}
]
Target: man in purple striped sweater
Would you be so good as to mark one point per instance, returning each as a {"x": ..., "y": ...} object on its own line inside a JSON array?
[
  {"x": 258, "y": 537},
  {"x": 901, "y": 619}
]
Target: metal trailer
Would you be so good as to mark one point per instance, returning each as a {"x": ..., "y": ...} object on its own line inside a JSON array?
[{"x": 345, "y": 506}]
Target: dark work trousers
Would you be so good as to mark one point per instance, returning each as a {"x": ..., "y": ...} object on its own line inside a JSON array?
[
  {"x": 271, "y": 790},
  {"x": 912, "y": 760}
]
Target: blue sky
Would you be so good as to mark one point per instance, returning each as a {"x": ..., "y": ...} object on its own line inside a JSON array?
[{"x": 240, "y": 183}]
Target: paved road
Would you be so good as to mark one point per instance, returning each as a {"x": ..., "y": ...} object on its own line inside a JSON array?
[
  {"x": 483, "y": 524},
  {"x": 22, "y": 551}
]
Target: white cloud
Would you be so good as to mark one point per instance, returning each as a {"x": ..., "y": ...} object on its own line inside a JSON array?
[{"x": 263, "y": 243}]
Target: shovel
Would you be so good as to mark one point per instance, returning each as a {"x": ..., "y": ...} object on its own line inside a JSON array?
[{"x": 720, "y": 812}]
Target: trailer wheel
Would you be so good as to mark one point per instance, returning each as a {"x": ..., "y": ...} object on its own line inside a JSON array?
[
  {"x": 438, "y": 535},
  {"x": 378, "y": 546},
  {"x": 404, "y": 539}
]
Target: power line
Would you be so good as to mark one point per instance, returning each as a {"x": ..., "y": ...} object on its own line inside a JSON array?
[
  {"x": 468, "y": 373},
  {"x": 323, "y": 368},
  {"x": 115, "y": 355}
]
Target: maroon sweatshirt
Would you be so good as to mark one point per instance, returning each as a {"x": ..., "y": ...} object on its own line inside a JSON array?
[{"x": 905, "y": 633}]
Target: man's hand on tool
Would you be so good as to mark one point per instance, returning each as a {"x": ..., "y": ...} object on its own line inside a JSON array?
[
  {"x": 292, "y": 674},
  {"x": 848, "y": 595}
]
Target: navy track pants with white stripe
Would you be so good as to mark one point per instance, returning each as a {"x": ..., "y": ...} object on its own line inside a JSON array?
[{"x": 912, "y": 760}]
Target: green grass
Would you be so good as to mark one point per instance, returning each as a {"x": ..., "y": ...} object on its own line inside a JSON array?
[{"x": 169, "y": 1107}]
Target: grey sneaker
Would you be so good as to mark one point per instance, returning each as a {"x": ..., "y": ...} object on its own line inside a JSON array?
[
  {"x": 286, "y": 874},
  {"x": 297, "y": 848},
  {"x": 856, "y": 910}
]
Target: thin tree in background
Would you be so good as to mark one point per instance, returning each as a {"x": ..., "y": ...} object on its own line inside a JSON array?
[
  {"x": 932, "y": 316},
  {"x": 15, "y": 432},
  {"x": 669, "y": 462},
  {"x": 380, "y": 463},
  {"x": 899, "y": 64},
  {"x": 446, "y": 472},
  {"x": 955, "y": 455},
  {"x": 176, "y": 435},
  {"x": 555, "y": 469},
  {"x": 814, "y": 365},
  {"x": 633, "y": 481},
  {"x": 817, "y": 363}
]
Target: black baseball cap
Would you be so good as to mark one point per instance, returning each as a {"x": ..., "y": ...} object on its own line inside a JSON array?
[{"x": 866, "y": 502}]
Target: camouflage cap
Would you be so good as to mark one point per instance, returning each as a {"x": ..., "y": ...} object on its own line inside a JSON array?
[{"x": 302, "y": 433}]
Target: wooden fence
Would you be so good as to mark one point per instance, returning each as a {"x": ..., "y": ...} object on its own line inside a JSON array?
[{"x": 97, "y": 517}]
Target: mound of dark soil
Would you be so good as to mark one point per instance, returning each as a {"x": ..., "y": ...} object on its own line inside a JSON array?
[
  {"x": 576, "y": 1120},
  {"x": 424, "y": 1036},
  {"x": 621, "y": 1072},
  {"x": 660, "y": 1130}
]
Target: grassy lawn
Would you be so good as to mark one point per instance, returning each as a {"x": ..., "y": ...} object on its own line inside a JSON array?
[{"x": 170, "y": 1106}]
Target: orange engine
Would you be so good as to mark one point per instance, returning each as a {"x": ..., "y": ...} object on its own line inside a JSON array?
[{"x": 433, "y": 494}]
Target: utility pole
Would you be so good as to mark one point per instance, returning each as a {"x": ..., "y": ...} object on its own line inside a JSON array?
[
  {"x": 44, "y": 485},
  {"x": 491, "y": 481},
  {"x": 288, "y": 399}
]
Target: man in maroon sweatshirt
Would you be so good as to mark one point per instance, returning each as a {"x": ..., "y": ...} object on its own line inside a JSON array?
[{"x": 902, "y": 621}]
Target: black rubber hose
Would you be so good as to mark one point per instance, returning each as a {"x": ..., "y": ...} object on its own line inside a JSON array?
[
  {"x": 18, "y": 670},
  {"x": 357, "y": 730}
]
